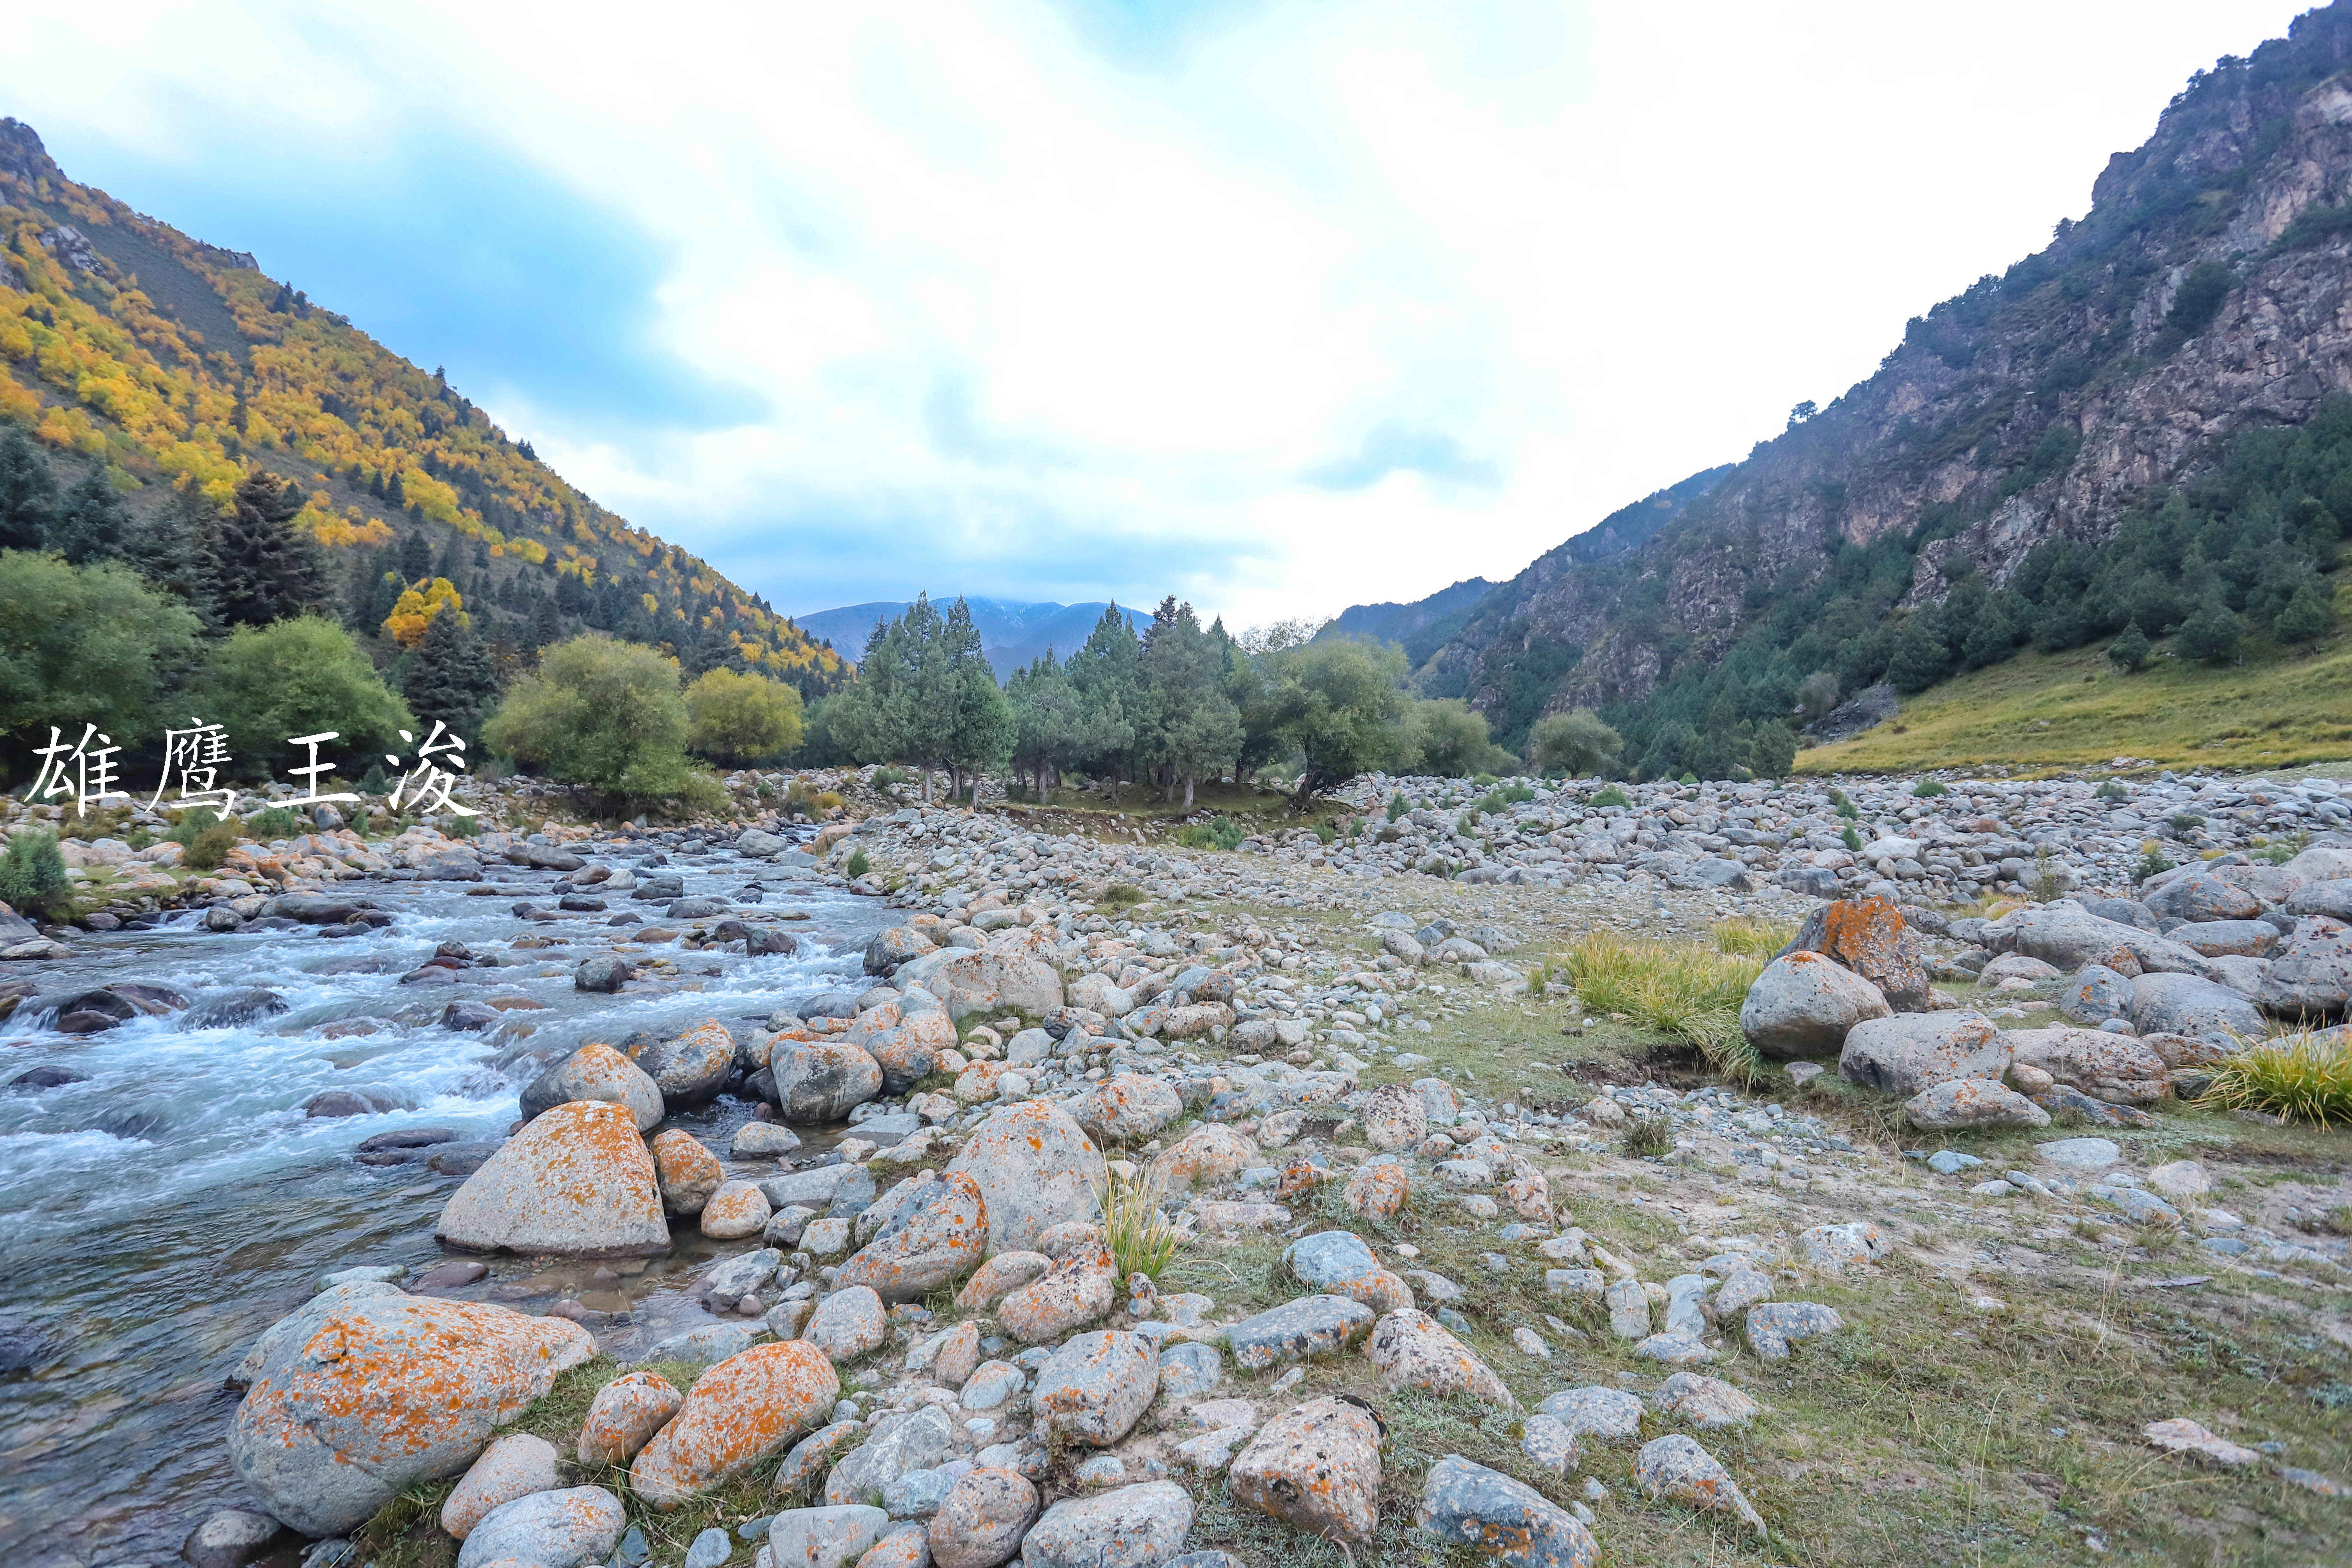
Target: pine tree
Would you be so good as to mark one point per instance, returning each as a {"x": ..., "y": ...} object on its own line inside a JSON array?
[
  {"x": 2130, "y": 650},
  {"x": 1921, "y": 658},
  {"x": 265, "y": 568},
  {"x": 546, "y": 621},
  {"x": 175, "y": 550},
  {"x": 449, "y": 676},
  {"x": 29, "y": 492},
  {"x": 416, "y": 558},
  {"x": 2213, "y": 633},
  {"x": 2306, "y": 615},
  {"x": 92, "y": 522}
]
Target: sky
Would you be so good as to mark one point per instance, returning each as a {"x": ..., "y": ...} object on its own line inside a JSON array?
[{"x": 1276, "y": 307}]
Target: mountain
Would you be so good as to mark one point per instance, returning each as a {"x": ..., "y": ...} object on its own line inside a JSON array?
[
  {"x": 2145, "y": 423},
  {"x": 1405, "y": 623},
  {"x": 1012, "y": 634},
  {"x": 128, "y": 347}
]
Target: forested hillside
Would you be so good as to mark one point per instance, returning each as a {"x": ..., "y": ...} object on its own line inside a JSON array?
[
  {"x": 146, "y": 376},
  {"x": 2138, "y": 436}
]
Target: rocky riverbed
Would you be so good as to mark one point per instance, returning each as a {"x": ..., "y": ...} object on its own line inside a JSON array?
[{"x": 800, "y": 1255}]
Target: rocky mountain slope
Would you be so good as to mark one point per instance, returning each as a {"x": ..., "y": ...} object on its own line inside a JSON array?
[
  {"x": 2201, "y": 301},
  {"x": 163, "y": 360},
  {"x": 1012, "y": 633}
]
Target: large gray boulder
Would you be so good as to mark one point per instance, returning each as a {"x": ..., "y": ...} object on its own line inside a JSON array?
[
  {"x": 577, "y": 1182},
  {"x": 2202, "y": 897},
  {"x": 1972, "y": 1103},
  {"x": 2186, "y": 1004},
  {"x": 2311, "y": 977},
  {"x": 1036, "y": 1169},
  {"x": 2096, "y": 994},
  {"x": 693, "y": 1067},
  {"x": 2114, "y": 1067},
  {"x": 2071, "y": 937},
  {"x": 1804, "y": 1004},
  {"x": 1140, "y": 1526},
  {"x": 822, "y": 1080},
  {"x": 2324, "y": 862},
  {"x": 596, "y": 1071},
  {"x": 1006, "y": 976},
  {"x": 930, "y": 1233},
  {"x": 1469, "y": 1505},
  {"x": 2227, "y": 939},
  {"x": 575, "y": 1527},
  {"x": 1911, "y": 1051},
  {"x": 2332, "y": 898}
]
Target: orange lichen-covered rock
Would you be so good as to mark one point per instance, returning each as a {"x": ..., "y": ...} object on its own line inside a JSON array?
[
  {"x": 748, "y": 1407},
  {"x": 623, "y": 1416},
  {"x": 576, "y": 1180},
  {"x": 1412, "y": 1349},
  {"x": 1869, "y": 936},
  {"x": 363, "y": 1391},
  {"x": 1127, "y": 1108},
  {"x": 686, "y": 1172},
  {"x": 1378, "y": 1189},
  {"x": 1036, "y": 1168},
  {"x": 1316, "y": 1468},
  {"x": 1080, "y": 1287},
  {"x": 1206, "y": 1155},
  {"x": 938, "y": 1231},
  {"x": 999, "y": 1277}
]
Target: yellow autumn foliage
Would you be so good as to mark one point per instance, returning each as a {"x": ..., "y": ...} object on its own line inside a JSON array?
[{"x": 417, "y": 607}]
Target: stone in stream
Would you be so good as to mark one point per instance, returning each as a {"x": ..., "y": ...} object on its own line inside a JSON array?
[
  {"x": 363, "y": 1391},
  {"x": 1035, "y": 1168},
  {"x": 1094, "y": 1388},
  {"x": 1139, "y": 1526},
  {"x": 230, "y": 1538},
  {"x": 577, "y": 1527},
  {"x": 763, "y": 1141},
  {"x": 691, "y": 1067},
  {"x": 686, "y": 1172},
  {"x": 606, "y": 974},
  {"x": 1804, "y": 1004},
  {"x": 736, "y": 1414},
  {"x": 1911, "y": 1051},
  {"x": 980, "y": 1524},
  {"x": 1506, "y": 1520},
  {"x": 822, "y": 1080},
  {"x": 1316, "y": 1468},
  {"x": 597, "y": 1072},
  {"x": 936, "y": 1232},
  {"x": 515, "y": 1466},
  {"x": 576, "y": 1181},
  {"x": 1675, "y": 1467},
  {"x": 623, "y": 1416}
]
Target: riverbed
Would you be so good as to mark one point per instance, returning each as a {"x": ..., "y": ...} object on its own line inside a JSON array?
[{"x": 158, "y": 1214}]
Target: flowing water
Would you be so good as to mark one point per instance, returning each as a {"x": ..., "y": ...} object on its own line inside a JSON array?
[{"x": 156, "y": 1217}]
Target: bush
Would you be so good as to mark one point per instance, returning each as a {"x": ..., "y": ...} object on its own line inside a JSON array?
[
  {"x": 87, "y": 645},
  {"x": 33, "y": 879},
  {"x": 2111, "y": 790},
  {"x": 1927, "y": 789},
  {"x": 2299, "y": 1076},
  {"x": 1851, "y": 839},
  {"x": 273, "y": 822},
  {"x": 1611, "y": 796},
  {"x": 1119, "y": 895},
  {"x": 858, "y": 865},
  {"x": 887, "y": 778},
  {"x": 206, "y": 838},
  {"x": 2152, "y": 863},
  {"x": 1575, "y": 742},
  {"x": 737, "y": 720},
  {"x": 267, "y": 684},
  {"x": 1219, "y": 833},
  {"x": 1397, "y": 806},
  {"x": 604, "y": 715}
]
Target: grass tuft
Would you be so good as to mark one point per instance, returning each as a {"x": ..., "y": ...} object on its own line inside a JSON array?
[
  {"x": 1143, "y": 1239},
  {"x": 1752, "y": 936},
  {"x": 2303, "y": 1077},
  {"x": 1689, "y": 993}
]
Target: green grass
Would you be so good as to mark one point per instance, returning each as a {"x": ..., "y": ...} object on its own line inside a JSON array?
[
  {"x": 1143, "y": 1239},
  {"x": 1681, "y": 990},
  {"x": 2299, "y": 1076},
  {"x": 2282, "y": 707}
]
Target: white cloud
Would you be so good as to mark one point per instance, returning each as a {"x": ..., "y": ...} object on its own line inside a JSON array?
[{"x": 1004, "y": 313}]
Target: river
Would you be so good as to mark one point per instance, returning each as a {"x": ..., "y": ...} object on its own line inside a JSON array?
[{"x": 161, "y": 1213}]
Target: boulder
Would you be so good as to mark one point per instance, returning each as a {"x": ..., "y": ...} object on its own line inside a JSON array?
[
  {"x": 1613, "y": 1414},
  {"x": 1316, "y": 1468},
  {"x": 2096, "y": 994},
  {"x": 575, "y": 1527},
  {"x": 1675, "y": 1467},
  {"x": 899, "y": 1445},
  {"x": 692, "y": 1067},
  {"x": 1209, "y": 1156},
  {"x": 1393, "y": 1117},
  {"x": 1909, "y": 1052},
  {"x": 1140, "y": 1526},
  {"x": 736, "y": 1414},
  {"x": 1774, "y": 1326},
  {"x": 229, "y": 1537},
  {"x": 2201, "y": 897},
  {"x": 736, "y": 1210},
  {"x": 1506, "y": 1520},
  {"x": 1378, "y": 1188},
  {"x": 887, "y": 949},
  {"x": 999, "y": 1277},
  {"x": 2332, "y": 898},
  {"x": 848, "y": 1324},
  {"x": 1869, "y": 938},
  {"x": 1127, "y": 1108},
  {"x": 1412, "y": 1350},
  {"x": 516, "y": 1465},
  {"x": 980, "y": 1524},
  {"x": 2228, "y": 939},
  {"x": 936, "y": 1232},
  {"x": 831, "y": 1537},
  {"x": 1971, "y": 1102},
  {"x": 576, "y": 1181},
  {"x": 1338, "y": 1263},
  {"x": 910, "y": 1050},
  {"x": 823, "y": 1079},
  {"x": 623, "y": 1416},
  {"x": 2187, "y": 1004},
  {"x": 604, "y": 973},
  {"x": 1309, "y": 1328},
  {"x": 363, "y": 1391},
  {"x": 596, "y": 1072},
  {"x": 1079, "y": 1289},
  {"x": 2071, "y": 937},
  {"x": 990, "y": 980},
  {"x": 2109, "y": 1066},
  {"x": 686, "y": 1172},
  {"x": 1035, "y": 1168},
  {"x": 1094, "y": 1388},
  {"x": 2310, "y": 979},
  {"x": 1804, "y": 1004}
]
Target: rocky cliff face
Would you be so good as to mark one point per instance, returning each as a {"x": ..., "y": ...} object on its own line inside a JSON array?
[{"x": 2208, "y": 291}]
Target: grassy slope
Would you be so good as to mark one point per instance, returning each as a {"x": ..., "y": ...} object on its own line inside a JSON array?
[{"x": 2279, "y": 709}]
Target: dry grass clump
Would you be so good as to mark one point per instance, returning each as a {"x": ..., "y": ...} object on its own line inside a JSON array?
[
  {"x": 1753, "y": 936},
  {"x": 2302, "y": 1077},
  {"x": 1682, "y": 989}
]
